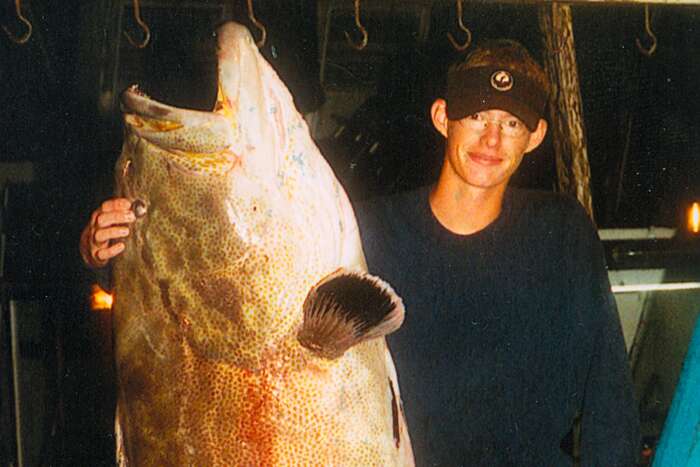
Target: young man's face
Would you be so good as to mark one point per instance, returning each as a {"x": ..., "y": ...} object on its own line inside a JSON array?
[{"x": 484, "y": 150}]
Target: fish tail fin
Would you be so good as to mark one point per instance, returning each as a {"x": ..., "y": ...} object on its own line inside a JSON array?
[{"x": 346, "y": 308}]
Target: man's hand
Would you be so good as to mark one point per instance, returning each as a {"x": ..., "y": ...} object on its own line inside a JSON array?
[{"x": 108, "y": 223}]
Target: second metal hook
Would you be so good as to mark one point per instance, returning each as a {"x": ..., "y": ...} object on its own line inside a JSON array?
[
  {"x": 647, "y": 25},
  {"x": 363, "y": 43},
  {"x": 143, "y": 25},
  {"x": 460, "y": 21}
]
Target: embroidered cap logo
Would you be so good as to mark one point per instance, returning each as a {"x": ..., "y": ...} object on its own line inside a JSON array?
[{"x": 502, "y": 80}]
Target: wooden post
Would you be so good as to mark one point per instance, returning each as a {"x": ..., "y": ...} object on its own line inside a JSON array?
[{"x": 566, "y": 111}]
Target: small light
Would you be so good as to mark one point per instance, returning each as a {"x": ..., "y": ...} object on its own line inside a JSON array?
[
  {"x": 694, "y": 218},
  {"x": 100, "y": 300}
]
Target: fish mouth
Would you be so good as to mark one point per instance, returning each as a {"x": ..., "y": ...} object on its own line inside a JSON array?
[
  {"x": 134, "y": 101},
  {"x": 191, "y": 138},
  {"x": 204, "y": 138},
  {"x": 244, "y": 121}
]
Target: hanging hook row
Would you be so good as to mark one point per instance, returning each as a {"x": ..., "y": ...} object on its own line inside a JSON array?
[
  {"x": 361, "y": 28},
  {"x": 258, "y": 24},
  {"x": 455, "y": 44},
  {"x": 142, "y": 24},
  {"x": 23, "y": 39},
  {"x": 647, "y": 25}
]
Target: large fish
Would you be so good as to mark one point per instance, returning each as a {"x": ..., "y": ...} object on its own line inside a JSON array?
[{"x": 246, "y": 330}]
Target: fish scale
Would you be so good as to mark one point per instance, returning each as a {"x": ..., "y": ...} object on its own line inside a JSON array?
[{"x": 241, "y": 218}]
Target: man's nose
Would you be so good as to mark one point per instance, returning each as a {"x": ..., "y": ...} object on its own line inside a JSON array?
[{"x": 492, "y": 133}]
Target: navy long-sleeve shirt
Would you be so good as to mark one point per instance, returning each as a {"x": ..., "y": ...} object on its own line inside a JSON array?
[{"x": 509, "y": 333}]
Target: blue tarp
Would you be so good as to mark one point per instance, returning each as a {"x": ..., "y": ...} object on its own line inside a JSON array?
[{"x": 680, "y": 440}]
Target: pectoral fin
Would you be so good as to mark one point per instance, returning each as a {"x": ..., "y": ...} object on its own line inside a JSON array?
[{"x": 346, "y": 308}]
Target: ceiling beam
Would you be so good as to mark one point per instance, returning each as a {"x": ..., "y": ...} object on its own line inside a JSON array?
[
  {"x": 573, "y": 2},
  {"x": 611, "y": 2}
]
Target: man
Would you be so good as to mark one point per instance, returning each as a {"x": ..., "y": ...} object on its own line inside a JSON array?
[{"x": 511, "y": 330}]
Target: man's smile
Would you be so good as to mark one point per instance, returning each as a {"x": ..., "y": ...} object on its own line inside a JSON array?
[{"x": 484, "y": 159}]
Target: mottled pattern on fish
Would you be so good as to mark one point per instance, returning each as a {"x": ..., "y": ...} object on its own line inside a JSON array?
[{"x": 242, "y": 218}]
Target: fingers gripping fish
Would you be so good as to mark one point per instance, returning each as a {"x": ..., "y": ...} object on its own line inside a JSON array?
[{"x": 247, "y": 331}]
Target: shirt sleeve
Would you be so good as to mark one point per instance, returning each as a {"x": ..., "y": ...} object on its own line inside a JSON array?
[{"x": 610, "y": 432}]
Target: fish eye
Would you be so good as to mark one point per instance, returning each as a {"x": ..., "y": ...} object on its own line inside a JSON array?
[{"x": 139, "y": 207}]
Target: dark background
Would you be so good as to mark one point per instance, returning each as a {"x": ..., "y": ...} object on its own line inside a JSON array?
[{"x": 60, "y": 133}]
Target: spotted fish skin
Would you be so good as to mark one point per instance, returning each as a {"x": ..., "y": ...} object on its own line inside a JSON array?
[{"x": 241, "y": 218}]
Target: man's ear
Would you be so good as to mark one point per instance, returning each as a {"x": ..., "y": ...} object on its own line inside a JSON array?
[
  {"x": 537, "y": 136},
  {"x": 438, "y": 114}
]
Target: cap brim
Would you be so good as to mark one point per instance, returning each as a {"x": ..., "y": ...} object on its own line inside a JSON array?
[{"x": 458, "y": 108}]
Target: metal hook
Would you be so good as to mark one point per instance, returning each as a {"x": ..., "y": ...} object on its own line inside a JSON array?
[
  {"x": 462, "y": 47},
  {"x": 647, "y": 25},
  {"x": 28, "y": 34},
  {"x": 257, "y": 24},
  {"x": 363, "y": 43},
  {"x": 142, "y": 24}
]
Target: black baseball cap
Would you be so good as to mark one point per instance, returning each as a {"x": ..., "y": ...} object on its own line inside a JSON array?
[{"x": 473, "y": 89}]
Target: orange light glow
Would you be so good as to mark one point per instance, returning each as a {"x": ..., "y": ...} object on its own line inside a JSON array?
[
  {"x": 694, "y": 218},
  {"x": 100, "y": 300}
]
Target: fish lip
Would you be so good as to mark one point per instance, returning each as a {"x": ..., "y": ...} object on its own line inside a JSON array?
[
  {"x": 134, "y": 101},
  {"x": 134, "y": 88},
  {"x": 133, "y": 98}
]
